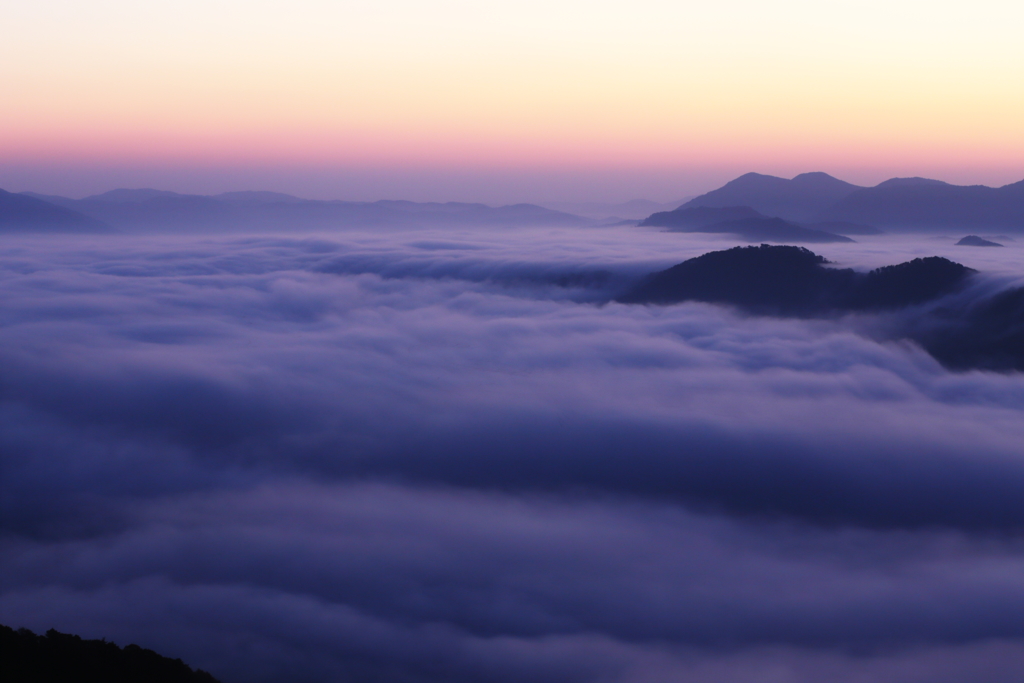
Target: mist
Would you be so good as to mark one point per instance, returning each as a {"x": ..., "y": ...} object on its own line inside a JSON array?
[{"x": 449, "y": 455}]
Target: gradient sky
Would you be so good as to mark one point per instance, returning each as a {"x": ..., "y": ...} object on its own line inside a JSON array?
[{"x": 502, "y": 101}]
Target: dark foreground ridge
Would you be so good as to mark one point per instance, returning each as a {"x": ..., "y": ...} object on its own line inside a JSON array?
[
  {"x": 788, "y": 280},
  {"x": 984, "y": 335},
  {"x": 63, "y": 658},
  {"x": 963, "y": 333}
]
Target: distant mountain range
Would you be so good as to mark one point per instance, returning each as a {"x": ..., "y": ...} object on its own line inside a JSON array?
[
  {"x": 918, "y": 203},
  {"x": 22, "y": 213},
  {"x": 817, "y": 200},
  {"x": 812, "y": 207},
  {"x": 148, "y": 210}
]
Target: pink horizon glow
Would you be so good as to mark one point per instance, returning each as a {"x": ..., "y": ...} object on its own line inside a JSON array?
[{"x": 545, "y": 93}]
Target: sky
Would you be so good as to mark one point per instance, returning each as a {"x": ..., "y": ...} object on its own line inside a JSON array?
[{"x": 499, "y": 102}]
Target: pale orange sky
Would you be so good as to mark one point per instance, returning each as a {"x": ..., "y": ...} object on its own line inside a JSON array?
[{"x": 504, "y": 101}]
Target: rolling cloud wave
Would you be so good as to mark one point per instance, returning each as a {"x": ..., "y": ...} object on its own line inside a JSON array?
[{"x": 447, "y": 458}]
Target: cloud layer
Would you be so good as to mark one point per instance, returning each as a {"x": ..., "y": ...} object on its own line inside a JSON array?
[{"x": 440, "y": 457}]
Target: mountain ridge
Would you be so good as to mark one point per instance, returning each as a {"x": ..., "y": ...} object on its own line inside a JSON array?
[
  {"x": 801, "y": 198},
  {"x": 63, "y": 658},
  {"x": 902, "y": 204},
  {"x": 919, "y": 204},
  {"x": 969, "y": 330},
  {"x": 26, "y": 214},
  {"x": 793, "y": 281},
  {"x": 149, "y": 210}
]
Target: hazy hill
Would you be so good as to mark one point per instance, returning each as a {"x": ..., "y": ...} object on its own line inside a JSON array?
[
  {"x": 123, "y": 196},
  {"x": 697, "y": 218},
  {"x": 48, "y": 198},
  {"x": 921, "y": 204},
  {"x": 844, "y": 228},
  {"x": 787, "y": 280},
  {"x": 803, "y": 198},
  {"x": 975, "y": 241},
  {"x": 62, "y": 658},
  {"x": 23, "y": 214},
  {"x": 260, "y": 197},
  {"x": 148, "y": 210},
  {"x": 775, "y": 230},
  {"x": 739, "y": 220}
]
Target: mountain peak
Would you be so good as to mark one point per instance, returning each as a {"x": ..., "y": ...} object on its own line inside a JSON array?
[
  {"x": 799, "y": 199},
  {"x": 817, "y": 177},
  {"x": 913, "y": 182}
]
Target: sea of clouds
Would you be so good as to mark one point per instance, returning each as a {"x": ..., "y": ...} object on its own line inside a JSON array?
[{"x": 445, "y": 456}]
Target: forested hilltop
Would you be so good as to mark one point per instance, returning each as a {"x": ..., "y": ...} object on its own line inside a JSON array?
[{"x": 64, "y": 658}]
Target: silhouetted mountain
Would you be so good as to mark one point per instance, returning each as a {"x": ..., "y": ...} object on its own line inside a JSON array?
[
  {"x": 803, "y": 198},
  {"x": 738, "y": 220},
  {"x": 160, "y": 211},
  {"x": 922, "y": 204},
  {"x": 975, "y": 241},
  {"x": 987, "y": 334},
  {"x": 62, "y": 658},
  {"x": 905, "y": 284},
  {"x": 24, "y": 214},
  {"x": 961, "y": 332},
  {"x": 787, "y": 280}
]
